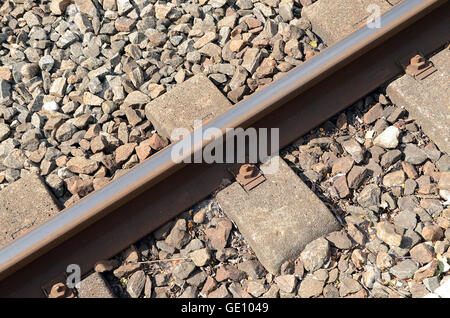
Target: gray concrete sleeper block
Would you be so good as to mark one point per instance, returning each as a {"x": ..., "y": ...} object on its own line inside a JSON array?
[
  {"x": 278, "y": 217},
  {"x": 427, "y": 100},
  {"x": 94, "y": 286},
  {"x": 333, "y": 20},
  {"x": 195, "y": 99},
  {"x": 24, "y": 204}
]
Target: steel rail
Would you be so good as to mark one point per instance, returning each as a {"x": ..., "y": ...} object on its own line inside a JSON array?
[{"x": 106, "y": 221}]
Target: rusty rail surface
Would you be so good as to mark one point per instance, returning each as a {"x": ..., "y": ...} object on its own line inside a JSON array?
[{"x": 110, "y": 219}]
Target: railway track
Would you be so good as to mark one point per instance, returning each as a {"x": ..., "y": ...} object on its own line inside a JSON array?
[{"x": 108, "y": 220}]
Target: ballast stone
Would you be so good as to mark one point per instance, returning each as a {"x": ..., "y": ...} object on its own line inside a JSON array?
[
  {"x": 279, "y": 217},
  {"x": 24, "y": 204},
  {"x": 195, "y": 99}
]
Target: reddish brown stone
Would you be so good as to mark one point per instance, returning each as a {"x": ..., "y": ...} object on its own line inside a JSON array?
[
  {"x": 236, "y": 94},
  {"x": 5, "y": 73},
  {"x": 59, "y": 6},
  {"x": 342, "y": 165},
  {"x": 124, "y": 152},
  {"x": 218, "y": 236},
  {"x": 237, "y": 45},
  {"x": 100, "y": 182},
  {"x": 341, "y": 187},
  {"x": 73, "y": 199},
  {"x": 82, "y": 165},
  {"x": 422, "y": 253},
  {"x": 126, "y": 269},
  {"x": 443, "y": 222},
  {"x": 253, "y": 23},
  {"x": 124, "y": 24},
  {"x": 87, "y": 7},
  {"x": 93, "y": 131},
  {"x": 426, "y": 271},
  {"x": 98, "y": 144},
  {"x": 444, "y": 181},
  {"x": 266, "y": 68},
  {"x": 373, "y": 114},
  {"x": 229, "y": 272},
  {"x": 209, "y": 286},
  {"x": 157, "y": 142},
  {"x": 410, "y": 170},
  {"x": 432, "y": 233},
  {"x": 356, "y": 176},
  {"x": 143, "y": 151},
  {"x": 79, "y": 186},
  {"x": 105, "y": 265}
]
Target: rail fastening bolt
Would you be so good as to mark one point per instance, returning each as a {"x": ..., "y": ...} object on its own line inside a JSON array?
[
  {"x": 58, "y": 291},
  {"x": 418, "y": 62},
  {"x": 247, "y": 171}
]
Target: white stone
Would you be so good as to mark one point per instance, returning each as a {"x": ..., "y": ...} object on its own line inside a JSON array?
[
  {"x": 443, "y": 290},
  {"x": 50, "y": 106},
  {"x": 58, "y": 87},
  {"x": 445, "y": 194},
  {"x": 46, "y": 63},
  {"x": 369, "y": 134},
  {"x": 388, "y": 138},
  {"x": 444, "y": 263},
  {"x": 217, "y": 3}
]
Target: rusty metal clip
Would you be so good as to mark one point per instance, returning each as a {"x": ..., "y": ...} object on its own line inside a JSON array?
[
  {"x": 419, "y": 67},
  {"x": 249, "y": 176},
  {"x": 57, "y": 289}
]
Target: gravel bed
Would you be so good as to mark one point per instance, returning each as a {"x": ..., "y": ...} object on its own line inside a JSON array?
[{"x": 75, "y": 76}]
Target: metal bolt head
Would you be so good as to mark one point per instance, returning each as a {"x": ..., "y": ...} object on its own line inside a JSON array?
[
  {"x": 247, "y": 171},
  {"x": 58, "y": 291},
  {"x": 418, "y": 61}
]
